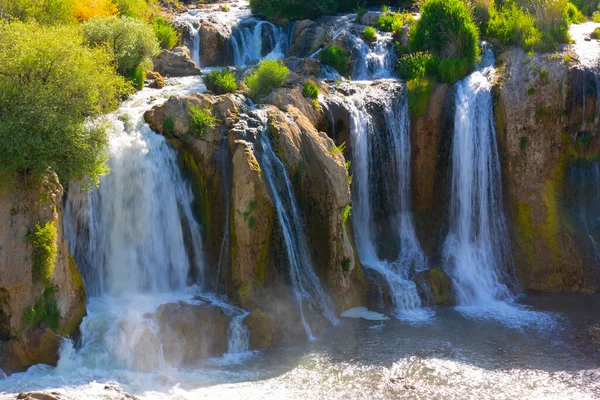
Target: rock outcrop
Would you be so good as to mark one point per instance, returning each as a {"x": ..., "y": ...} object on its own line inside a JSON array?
[
  {"x": 213, "y": 46},
  {"x": 28, "y": 294},
  {"x": 175, "y": 63}
]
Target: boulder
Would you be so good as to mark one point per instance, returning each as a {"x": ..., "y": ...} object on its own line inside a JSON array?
[
  {"x": 213, "y": 45},
  {"x": 370, "y": 18},
  {"x": 175, "y": 63},
  {"x": 189, "y": 333},
  {"x": 307, "y": 38}
]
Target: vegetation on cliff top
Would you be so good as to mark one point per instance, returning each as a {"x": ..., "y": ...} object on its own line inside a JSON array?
[
  {"x": 269, "y": 75},
  {"x": 220, "y": 82}
]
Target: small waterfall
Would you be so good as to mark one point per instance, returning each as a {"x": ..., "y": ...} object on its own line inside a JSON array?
[
  {"x": 306, "y": 285},
  {"x": 195, "y": 43},
  {"x": 136, "y": 232},
  {"x": 375, "y": 149},
  {"x": 253, "y": 40},
  {"x": 238, "y": 335},
  {"x": 376, "y": 61},
  {"x": 476, "y": 251}
]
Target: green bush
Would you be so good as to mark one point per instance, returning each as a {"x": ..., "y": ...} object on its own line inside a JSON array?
[
  {"x": 166, "y": 34},
  {"x": 310, "y": 90},
  {"x": 202, "y": 119},
  {"x": 596, "y": 34},
  {"x": 419, "y": 93},
  {"x": 50, "y": 85},
  {"x": 45, "y": 310},
  {"x": 390, "y": 22},
  {"x": 514, "y": 25},
  {"x": 132, "y": 41},
  {"x": 293, "y": 9},
  {"x": 370, "y": 34},
  {"x": 132, "y": 8},
  {"x": 587, "y": 7},
  {"x": 269, "y": 75},
  {"x": 137, "y": 76},
  {"x": 336, "y": 58},
  {"x": 574, "y": 16},
  {"x": 47, "y": 12},
  {"x": 446, "y": 30},
  {"x": 360, "y": 12},
  {"x": 220, "y": 82},
  {"x": 416, "y": 65},
  {"x": 43, "y": 241}
]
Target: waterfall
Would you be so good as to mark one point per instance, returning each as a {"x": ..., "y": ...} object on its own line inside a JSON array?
[
  {"x": 239, "y": 335},
  {"x": 253, "y": 40},
  {"x": 376, "y": 61},
  {"x": 476, "y": 251},
  {"x": 136, "y": 232},
  {"x": 195, "y": 43},
  {"x": 305, "y": 283},
  {"x": 375, "y": 149}
]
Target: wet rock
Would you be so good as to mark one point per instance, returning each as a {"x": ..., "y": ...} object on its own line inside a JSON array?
[
  {"x": 261, "y": 329},
  {"x": 308, "y": 37},
  {"x": 370, "y": 18},
  {"x": 213, "y": 48},
  {"x": 175, "y": 63},
  {"x": 39, "y": 347},
  {"x": 120, "y": 392},
  {"x": 157, "y": 81},
  {"x": 303, "y": 66},
  {"x": 189, "y": 333},
  {"x": 38, "y": 396}
]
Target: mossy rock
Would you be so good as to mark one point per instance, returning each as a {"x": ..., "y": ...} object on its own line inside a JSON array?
[
  {"x": 440, "y": 285},
  {"x": 261, "y": 329}
]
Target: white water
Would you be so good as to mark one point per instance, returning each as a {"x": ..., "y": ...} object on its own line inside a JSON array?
[
  {"x": 247, "y": 42},
  {"x": 377, "y": 60},
  {"x": 305, "y": 283},
  {"x": 195, "y": 45},
  {"x": 368, "y": 142}
]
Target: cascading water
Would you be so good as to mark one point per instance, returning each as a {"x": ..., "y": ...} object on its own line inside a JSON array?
[
  {"x": 377, "y": 60},
  {"x": 253, "y": 40},
  {"x": 369, "y": 143},
  {"x": 195, "y": 43},
  {"x": 305, "y": 283}
]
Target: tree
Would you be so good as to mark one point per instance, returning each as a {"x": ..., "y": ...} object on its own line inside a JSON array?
[
  {"x": 50, "y": 12},
  {"x": 51, "y": 86}
]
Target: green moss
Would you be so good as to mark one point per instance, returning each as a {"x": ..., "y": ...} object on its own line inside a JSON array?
[
  {"x": 440, "y": 285},
  {"x": 523, "y": 142},
  {"x": 202, "y": 193},
  {"x": 264, "y": 250},
  {"x": 43, "y": 239},
  {"x": 419, "y": 94},
  {"x": 336, "y": 58},
  {"x": 346, "y": 211},
  {"x": 202, "y": 120},
  {"x": 244, "y": 292},
  {"x": 531, "y": 91},
  {"x": 310, "y": 90},
  {"x": 45, "y": 310},
  {"x": 169, "y": 125}
]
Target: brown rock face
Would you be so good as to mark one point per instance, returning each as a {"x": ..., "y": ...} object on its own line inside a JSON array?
[
  {"x": 308, "y": 37},
  {"x": 190, "y": 333},
  {"x": 538, "y": 138},
  {"x": 21, "y": 208},
  {"x": 213, "y": 49},
  {"x": 175, "y": 63}
]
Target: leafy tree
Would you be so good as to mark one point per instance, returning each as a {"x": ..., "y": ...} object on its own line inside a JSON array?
[
  {"x": 166, "y": 34},
  {"x": 84, "y": 10},
  {"x": 132, "y": 41},
  {"x": 50, "y": 85},
  {"x": 49, "y": 12}
]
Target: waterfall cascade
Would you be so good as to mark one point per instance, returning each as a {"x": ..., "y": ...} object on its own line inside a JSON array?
[
  {"x": 195, "y": 44},
  {"x": 253, "y": 40},
  {"x": 305, "y": 283},
  {"x": 373, "y": 149},
  {"x": 377, "y": 60}
]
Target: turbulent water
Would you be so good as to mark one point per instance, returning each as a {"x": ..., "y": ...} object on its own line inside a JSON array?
[
  {"x": 305, "y": 283},
  {"x": 369, "y": 142},
  {"x": 253, "y": 40}
]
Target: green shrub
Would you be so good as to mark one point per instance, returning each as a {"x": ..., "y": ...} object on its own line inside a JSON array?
[
  {"x": 202, "y": 119},
  {"x": 310, "y": 90},
  {"x": 166, "y": 34},
  {"x": 360, "y": 12},
  {"x": 293, "y": 9},
  {"x": 419, "y": 93},
  {"x": 514, "y": 25},
  {"x": 446, "y": 30},
  {"x": 169, "y": 125},
  {"x": 220, "y": 82},
  {"x": 132, "y": 41},
  {"x": 574, "y": 16},
  {"x": 133, "y": 8},
  {"x": 450, "y": 70},
  {"x": 587, "y": 7},
  {"x": 337, "y": 150},
  {"x": 370, "y": 34},
  {"x": 523, "y": 142},
  {"x": 596, "y": 17},
  {"x": 596, "y": 34},
  {"x": 336, "y": 58},
  {"x": 47, "y": 12},
  {"x": 52, "y": 84},
  {"x": 390, "y": 22},
  {"x": 43, "y": 241},
  {"x": 416, "y": 65},
  {"x": 137, "y": 76},
  {"x": 269, "y": 75},
  {"x": 45, "y": 310},
  {"x": 346, "y": 212}
]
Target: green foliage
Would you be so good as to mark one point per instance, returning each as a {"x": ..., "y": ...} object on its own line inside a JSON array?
[
  {"x": 416, "y": 65},
  {"x": 137, "y": 76},
  {"x": 360, "y": 11},
  {"x": 220, "y": 82},
  {"x": 202, "y": 119},
  {"x": 531, "y": 91},
  {"x": 587, "y": 7},
  {"x": 132, "y": 8},
  {"x": 337, "y": 150},
  {"x": 166, "y": 34},
  {"x": 346, "y": 212},
  {"x": 596, "y": 16},
  {"x": 45, "y": 310},
  {"x": 446, "y": 30},
  {"x": 132, "y": 41},
  {"x": 336, "y": 58},
  {"x": 43, "y": 241},
  {"x": 390, "y": 22},
  {"x": 573, "y": 15},
  {"x": 596, "y": 34},
  {"x": 524, "y": 142},
  {"x": 169, "y": 125},
  {"x": 269, "y": 75},
  {"x": 514, "y": 25},
  {"x": 370, "y": 34},
  {"x": 419, "y": 93},
  {"x": 293, "y": 9},
  {"x": 50, "y": 85},
  {"x": 47, "y": 12},
  {"x": 310, "y": 90}
]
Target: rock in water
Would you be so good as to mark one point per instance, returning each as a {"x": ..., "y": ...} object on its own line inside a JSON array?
[{"x": 175, "y": 63}]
